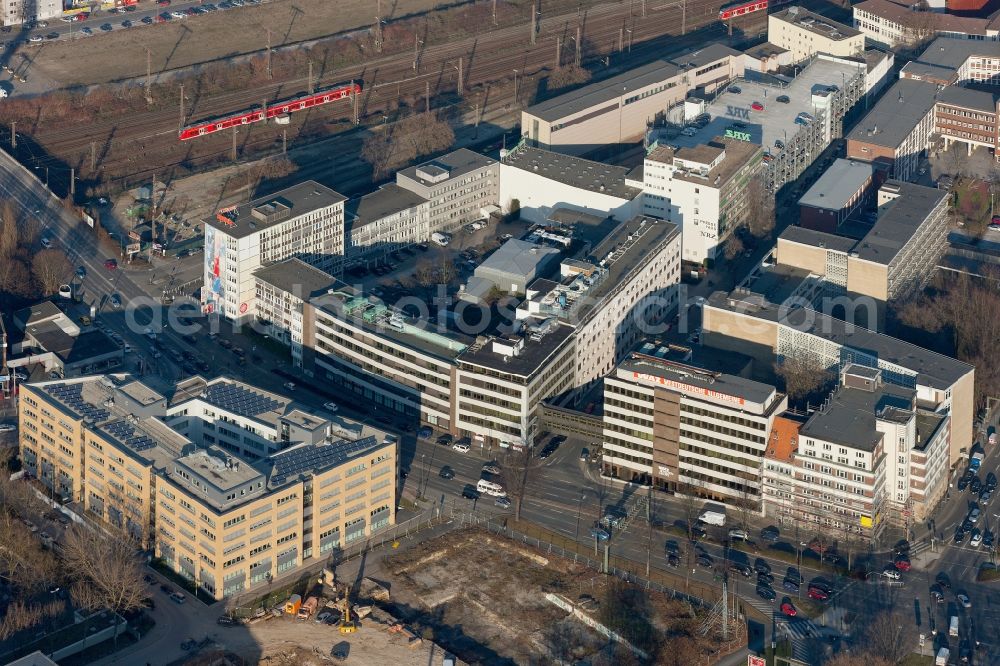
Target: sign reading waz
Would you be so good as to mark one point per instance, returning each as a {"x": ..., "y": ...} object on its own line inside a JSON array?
[{"x": 742, "y": 136}]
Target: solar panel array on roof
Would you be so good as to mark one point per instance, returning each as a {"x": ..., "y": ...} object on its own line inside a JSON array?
[
  {"x": 239, "y": 399},
  {"x": 308, "y": 458},
  {"x": 72, "y": 396},
  {"x": 125, "y": 432}
]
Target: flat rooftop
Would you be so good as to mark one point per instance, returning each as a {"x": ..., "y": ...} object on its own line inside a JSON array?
[
  {"x": 930, "y": 369},
  {"x": 574, "y": 171},
  {"x": 779, "y": 283},
  {"x": 896, "y": 115},
  {"x": 383, "y": 202},
  {"x": 899, "y": 221},
  {"x": 970, "y": 98},
  {"x": 603, "y": 92},
  {"x": 838, "y": 185},
  {"x": 295, "y": 277},
  {"x": 777, "y": 120},
  {"x": 731, "y": 385},
  {"x": 813, "y": 238},
  {"x": 265, "y": 212},
  {"x": 707, "y": 55},
  {"x": 848, "y": 417},
  {"x": 235, "y": 396},
  {"x": 951, "y": 53},
  {"x": 530, "y": 359},
  {"x": 348, "y": 304},
  {"x": 456, "y": 163},
  {"x": 816, "y": 24},
  {"x": 737, "y": 155}
]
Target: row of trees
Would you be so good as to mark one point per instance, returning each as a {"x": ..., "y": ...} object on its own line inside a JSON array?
[
  {"x": 404, "y": 142},
  {"x": 26, "y": 274},
  {"x": 100, "y": 566},
  {"x": 957, "y": 316}
]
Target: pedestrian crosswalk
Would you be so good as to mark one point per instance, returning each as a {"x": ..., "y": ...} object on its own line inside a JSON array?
[{"x": 798, "y": 628}]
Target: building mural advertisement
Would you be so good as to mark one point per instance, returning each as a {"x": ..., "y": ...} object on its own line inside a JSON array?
[{"x": 214, "y": 294}]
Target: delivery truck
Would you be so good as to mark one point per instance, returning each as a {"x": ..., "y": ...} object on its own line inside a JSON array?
[
  {"x": 293, "y": 604},
  {"x": 953, "y": 626},
  {"x": 942, "y": 657},
  {"x": 308, "y": 608}
]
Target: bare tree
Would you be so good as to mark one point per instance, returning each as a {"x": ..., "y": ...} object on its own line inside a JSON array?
[
  {"x": 22, "y": 559},
  {"x": 889, "y": 638},
  {"x": 568, "y": 75},
  {"x": 733, "y": 247},
  {"x": 679, "y": 651},
  {"x": 855, "y": 659},
  {"x": 50, "y": 268},
  {"x": 10, "y": 236},
  {"x": 106, "y": 569},
  {"x": 803, "y": 378},
  {"x": 690, "y": 506},
  {"x": 15, "y": 279},
  {"x": 760, "y": 208},
  {"x": 405, "y": 141},
  {"x": 519, "y": 466}
]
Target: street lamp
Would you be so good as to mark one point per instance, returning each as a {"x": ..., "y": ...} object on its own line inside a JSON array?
[{"x": 579, "y": 506}]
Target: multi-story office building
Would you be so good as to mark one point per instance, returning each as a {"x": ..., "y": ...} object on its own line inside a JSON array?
[
  {"x": 461, "y": 187},
  {"x": 753, "y": 325},
  {"x": 805, "y": 34},
  {"x": 965, "y": 115},
  {"x": 681, "y": 427},
  {"x": 304, "y": 221},
  {"x": 896, "y": 132},
  {"x": 384, "y": 221},
  {"x": 616, "y": 299},
  {"x": 16, "y": 12},
  {"x": 703, "y": 189},
  {"x": 283, "y": 289},
  {"x": 890, "y": 261},
  {"x": 893, "y": 24},
  {"x": 841, "y": 190},
  {"x": 225, "y": 522},
  {"x": 867, "y": 458},
  {"x": 619, "y": 109},
  {"x": 539, "y": 182}
]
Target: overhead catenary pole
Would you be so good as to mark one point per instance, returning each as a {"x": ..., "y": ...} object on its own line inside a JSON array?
[
  {"x": 534, "y": 21},
  {"x": 558, "y": 52},
  {"x": 683, "y": 17},
  {"x": 180, "y": 123},
  {"x": 268, "y": 53},
  {"x": 427, "y": 96},
  {"x": 354, "y": 99},
  {"x": 284, "y": 142},
  {"x": 579, "y": 30},
  {"x": 234, "y": 144},
  {"x": 310, "y": 77},
  {"x": 149, "y": 76},
  {"x": 93, "y": 155},
  {"x": 621, "y": 39},
  {"x": 416, "y": 51},
  {"x": 461, "y": 87},
  {"x": 494, "y": 12},
  {"x": 72, "y": 182},
  {"x": 13, "y": 134}
]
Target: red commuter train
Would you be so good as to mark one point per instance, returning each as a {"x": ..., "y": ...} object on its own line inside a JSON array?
[
  {"x": 276, "y": 109},
  {"x": 743, "y": 8}
]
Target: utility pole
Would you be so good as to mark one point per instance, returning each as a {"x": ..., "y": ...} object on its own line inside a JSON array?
[
  {"x": 284, "y": 142},
  {"x": 416, "y": 51},
  {"x": 72, "y": 183},
  {"x": 427, "y": 96},
  {"x": 515, "y": 87},
  {"x": 310, "y": 77},
  {"x": 621, "y": 39},
  {"x": 683, "y": 17},
  {"x": 234, "y": 144},
  {"x": 534, "y": 21},
  {"x": 180, "y": 123},
  {"x": 354, "y": 98},
  {"x": 13, "y": 134},
  {"x": 477, "y": 120},
  {"x": 93, "y": 155},
  {"x": 152, "y": 195},
  {"x": 579, "y": 30},
  {"x": 461, "y": 87},
  {"x": 644, "y": 7},
  {"x": 269, "y": 53},
  {"x": 378, "y": 34},
  {"x": 558, "y": 52},
  {"x": 149, "y": 76},
  {"x": 494, "y": 12}
]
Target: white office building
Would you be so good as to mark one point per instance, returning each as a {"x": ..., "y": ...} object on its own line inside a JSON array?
[{"x": 304, "y": 221}]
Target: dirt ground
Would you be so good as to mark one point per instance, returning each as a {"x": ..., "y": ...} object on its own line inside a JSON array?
[
  {"x": 122, "y": 54},
  {"x": 284, "y": 641}
]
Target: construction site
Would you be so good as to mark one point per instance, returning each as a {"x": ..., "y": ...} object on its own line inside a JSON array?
[{"x": 481, "y": 598}]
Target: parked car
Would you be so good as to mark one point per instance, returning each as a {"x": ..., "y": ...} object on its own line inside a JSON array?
[
  {"x": 765, "y": 592},
  {"x": 502, "y": 502},
  {"x": 463, "y": 445},
  {"x": 891, "y": 572},
  {"x": 964, "y": 600},
  {"x": 789, "y": 609},
  {"x": 770, "y": 534},
  {"x": 445, "y": 439},
  {"x": 784, "y": 99},
  {"x": 818, "y": 594},
  {"x": 741, "y": 568},
  {"x": 447, "y": 472},
  {"x": 599, "y": 534}
]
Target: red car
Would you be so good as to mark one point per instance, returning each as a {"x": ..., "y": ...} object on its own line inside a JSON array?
[
  {"x": 111, "y": 264},
  {"x": 788, "y": 609},
  {"x": 163, "y": 3},
  {"x": 902, "y": 564},
  {"x": 818, "y": 594},
  {"x": 757, "y": 106},
  {"x": 81, "y": 17}
]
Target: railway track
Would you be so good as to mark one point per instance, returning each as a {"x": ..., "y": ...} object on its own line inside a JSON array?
[{"x": 489, "y": 58}]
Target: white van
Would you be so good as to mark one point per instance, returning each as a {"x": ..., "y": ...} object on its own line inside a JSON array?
[{"x": 488, "y": 487}]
